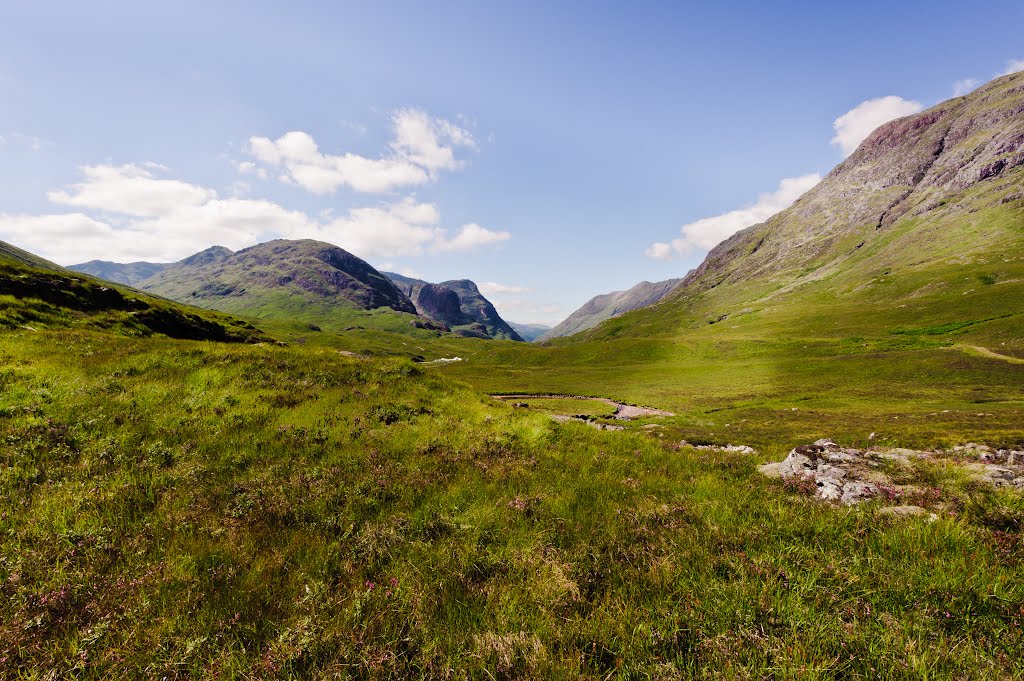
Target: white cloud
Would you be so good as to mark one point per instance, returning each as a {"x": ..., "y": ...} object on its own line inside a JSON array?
[
  {"x": 250, "y": 168},
  {"x": 962, "y": 87},
  {"x": 130, "y": 190},
  {"x": 854, "y": 126},
  {"x": 390, "y": 230},
  {"x": 422, "y": 146},
  {"x": 428, "y": 142},
  {"x": 471, "y": 236},
  {"x": 491, "y": 287},
  {"x": 142, "y": 216},
  {"x": 1013, "y": 66},
  {"x": 71, "y": 238},
  {"x": 706, "y": 233}
]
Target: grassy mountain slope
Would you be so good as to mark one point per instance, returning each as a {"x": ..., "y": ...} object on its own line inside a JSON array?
[
  {"x": 36, "y": 294},
  {"x": 14, "y": 256},
  {"x": 304, "y": 280},
  {"x": 608, "y": 305}
]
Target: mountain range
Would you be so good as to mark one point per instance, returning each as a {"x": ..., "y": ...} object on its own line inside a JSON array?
[{"x": 311, "y": 281}]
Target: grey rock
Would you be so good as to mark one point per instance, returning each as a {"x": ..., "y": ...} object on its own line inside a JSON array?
[{"x": 856, "y": 492}]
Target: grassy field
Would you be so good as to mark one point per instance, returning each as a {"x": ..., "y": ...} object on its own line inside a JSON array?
[
  {"x": 181, "y": 509},
  {"x": 305, "y": 503}
]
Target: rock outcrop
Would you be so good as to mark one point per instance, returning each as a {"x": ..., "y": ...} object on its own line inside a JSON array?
[{"x": 849, "y": 476}]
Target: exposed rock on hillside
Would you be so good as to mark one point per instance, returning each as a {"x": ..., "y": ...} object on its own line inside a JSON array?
[
  {"x": 850, "y": 476},
  {"x": 457, "y": 304}
]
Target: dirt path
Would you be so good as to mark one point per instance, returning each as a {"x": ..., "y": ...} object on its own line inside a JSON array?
[
  {"x": 623, "y": 411},
  {"x": 985, "y": 352}
]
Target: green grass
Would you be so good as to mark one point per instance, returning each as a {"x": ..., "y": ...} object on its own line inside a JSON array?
[
  {"x": 184, "y": 509},
  {"x": 331, "y": 507}
]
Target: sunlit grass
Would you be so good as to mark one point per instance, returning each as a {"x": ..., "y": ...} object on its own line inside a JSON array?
[{"x": 183, "y": 509}]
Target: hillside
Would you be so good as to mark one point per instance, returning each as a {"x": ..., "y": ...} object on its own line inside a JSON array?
[
  {"x": 923, "y": 221},
  {"x": 608, "y": 305},
  {"x": 923, "y": 225},
  {"x": 458, "y": 304},
  {"x": 36, "y": 295},
  {"x": 302, "y": 280}
]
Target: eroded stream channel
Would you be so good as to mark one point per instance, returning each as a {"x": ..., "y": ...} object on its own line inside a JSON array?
[{"x": 582, "y": 408}]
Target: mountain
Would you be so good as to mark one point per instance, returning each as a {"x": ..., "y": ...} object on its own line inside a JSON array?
[
  {"x": 38, "y": 294},
  {"x": 306, "y": 280},
  {"x": 920, "y": 231},
  {"x": 608, "y": 305},
  {"x": 130, "y": 273},
  {"x": 457, "y": 304},
  {"x": 529, "y": 332}
]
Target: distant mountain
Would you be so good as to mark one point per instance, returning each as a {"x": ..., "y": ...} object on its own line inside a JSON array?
[
  {"x": 307, "y": 280},
  {"x": 608, "y": 305},
  {"x": 530, "y": 332},
  {"x": 457, "y": 304},
  {"x": 130, "y": 273}
]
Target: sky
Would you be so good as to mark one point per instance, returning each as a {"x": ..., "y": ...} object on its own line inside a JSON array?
[{"x": 550, "y": 151}]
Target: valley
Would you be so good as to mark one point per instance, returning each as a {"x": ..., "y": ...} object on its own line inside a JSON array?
[{"x": 801, "y": 460}]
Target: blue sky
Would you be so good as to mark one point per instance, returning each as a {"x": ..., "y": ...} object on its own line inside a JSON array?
[{"x": 552, "y": 150}]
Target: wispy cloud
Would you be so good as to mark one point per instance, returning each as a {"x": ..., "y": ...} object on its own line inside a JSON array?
[
  {"x": 1012, "y": 66},
  {"x": 31, "y": 141},
  {"x": 965, "y": 85},
  {"x": 492, "y": 287}
]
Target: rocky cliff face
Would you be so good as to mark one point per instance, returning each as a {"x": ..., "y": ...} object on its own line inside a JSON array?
[
  {"x": 457, "y": 304},
  {"x": 608, "y": 305}
]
